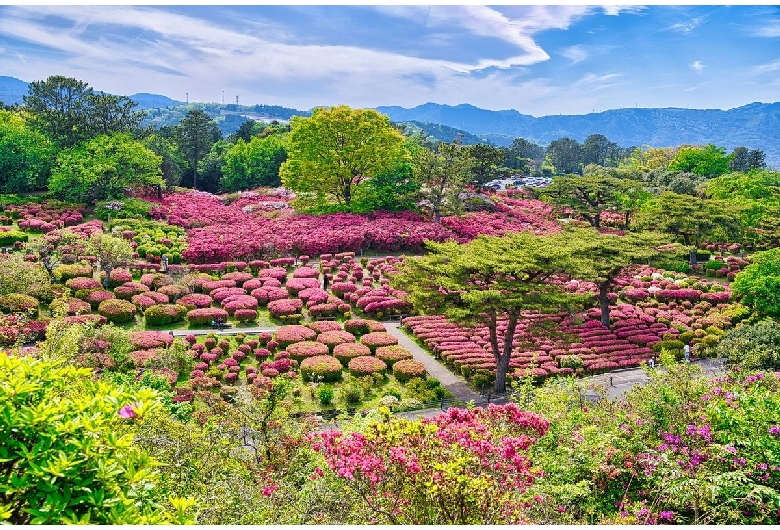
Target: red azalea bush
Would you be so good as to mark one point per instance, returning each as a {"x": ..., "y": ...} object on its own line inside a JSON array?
[
  {"x": 77, "y": 284},
  {"x": 378, "y": 339},
  {"x": 163, "y": 314},
  {"x": 393, "y": 354},
  {"x": 245, "y": 315},
  {"x": 117, "y": 311},
  {"x": 406, "y": 369},
  {"x": 366, "y": 365},
  {"x": 149, "y": 340},
  {"x": 347, "y": 351},
  {"x": 119, "y": 276},
  {"x": 239, "y": 301},
  {"x": 239, "y": 277},
  {"x": 209, "y": 286},
  {"x": 324, "y": 325},
  {"x": 306, "y": 272},
  {"x": 221, "y": 293},
  {"x": 205, "y": 316},
  {"x": 195, "y": 300},
  {"x": 321, "y": 368},
  {"x": 73, "y": 306},
  {"x": 286, "y": 335},
  {"x": 96, "y": 320},
  {"x": 127, "y": 290},
  {"x": 95, "y": 297},
  {"x": 277, "y": 273},
  {"x": 331, "y": 339},
  {"x": 268, "y": 294},
  {"x": 296, "y": 285},
  {"x": 302, "y": 350},
  {"x": 289, "y": 306}
]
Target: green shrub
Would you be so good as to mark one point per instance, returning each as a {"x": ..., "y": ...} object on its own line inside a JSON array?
[
  {"x": 569, "y": 361},
  {"x": 117, "y": 311},
  {"x": 351, "y": 393},
  {"x": 77, "y": 270},
  {"x": 321, "y": 368},
  {"x": 19, "y": 303},
  {"x": 753, "y": 346},
  {"x": 68, "y": 453},
  {"x": 129, "y": 207},
  {"x": 163, "y": 314},
  {"x": 671, "y": 345},
  {"x": 7, "y": 239},
  {"x": 325, "y": 395}
]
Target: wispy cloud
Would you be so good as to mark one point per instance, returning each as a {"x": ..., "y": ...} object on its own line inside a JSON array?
[
  {"x": 688, "y": 26},
  {"x": 771, "y": 28},
  {"x": 765, "y": 68},
  {"x": 592, "y": 81},
  {"x": 697, "y": 66},
  {"x": 576, "y": 53}
]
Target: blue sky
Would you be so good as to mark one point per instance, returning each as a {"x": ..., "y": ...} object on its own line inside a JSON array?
[{"x": 537, "y": 59}]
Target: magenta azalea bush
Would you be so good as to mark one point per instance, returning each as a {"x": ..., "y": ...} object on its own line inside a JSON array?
[
  {"x": 302, "y": 350},
  {"x": 286, "y": 335},
  {"x": 378, "y": 339},
  {"x": 205, "y": 316},
  {"x": 393, "y": 354},
  {"x": 117, "y": 311}
]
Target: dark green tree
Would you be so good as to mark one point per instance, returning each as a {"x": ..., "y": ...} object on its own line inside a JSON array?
[
  {"x": 524, "y": 155},
  {"x": 442, "y": 176},
  {"x": 597, "y": 149},
  {"x": 107, "y": 114},
  {"x": 487, "y": 163},
  {"x": 255, "y": 163},
  {"x": 173, "y": 164},
  {"x": 565, "y": 155},
  {"x": 196, "y": 134},
  {"x": 59, "y": 108}
]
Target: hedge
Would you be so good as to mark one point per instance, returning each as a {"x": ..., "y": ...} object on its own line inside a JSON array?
[
  {"x": 162, "y": 314},
  {"x": 117, "y": 311},
  {"x": 324, "y": 367}
]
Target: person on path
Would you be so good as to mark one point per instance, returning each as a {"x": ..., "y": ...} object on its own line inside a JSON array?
[
  {"x": 687, "y": 350},
  {"x": 651, "y": 362}
]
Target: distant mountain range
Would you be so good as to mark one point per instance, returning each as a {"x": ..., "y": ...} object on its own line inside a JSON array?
[{"x": 755, "y": 126}]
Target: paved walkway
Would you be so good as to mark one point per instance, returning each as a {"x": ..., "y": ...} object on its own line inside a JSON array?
[{"x": 455, "y": 384}]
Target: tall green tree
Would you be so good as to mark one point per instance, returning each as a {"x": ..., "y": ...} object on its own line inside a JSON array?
[
  {"x": 26, "y": 155},
  {"x": 524, "y": 155},
  {"x": 591, "y": 195},
  {"x": 210, "y": 167},
  {"x": 196, "y": 134},
  {"x": 691, "y": 218},
  {"x": 392, "y": 191},
  {"x": 565, "y": 155},
  {"x": 108, "y": 114},
  {"x": 337, "y": 148},
  {"x": 490, "y": 279},
  {"x": 487, "y": 164},
  {"x": 598, "y": 149},
  {"x": 58, "y": 108},
  {"x": 255, "y": 163},
  {"x": 442, "y": 175},
  {"x": 173, "y": 165},
  {"x": 607, "y": 255},
  {"x": 759, "y": 283},
  {"x": 103, "y": 168}
]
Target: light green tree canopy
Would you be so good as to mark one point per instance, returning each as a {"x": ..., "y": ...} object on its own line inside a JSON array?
[
  {"x": 102, "y": 168},
  {"x": 337, "y": 148},
  {"x": 759, "y": 283},
  {"x": 254, "y": 163},
  {"x": 110, "y": 251},
  {"x": 709, "y": 161},
  {"x": 26, "y": 155}
]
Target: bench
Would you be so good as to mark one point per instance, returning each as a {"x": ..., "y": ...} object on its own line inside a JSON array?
[{"x": 221, "y": 325}]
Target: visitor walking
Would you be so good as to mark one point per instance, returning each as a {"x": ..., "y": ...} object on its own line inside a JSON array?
[{"x": 687, "y": 350}]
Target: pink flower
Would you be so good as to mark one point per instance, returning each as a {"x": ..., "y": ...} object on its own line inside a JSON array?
[{"x": 129, "y": 411}]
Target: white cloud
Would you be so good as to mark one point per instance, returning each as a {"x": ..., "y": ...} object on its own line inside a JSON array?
[
  {"x": 697, "y": 66},
  {"x": 765, "y": 68},
  {"x": 770, "y": 29},
  {"x": 687, "y": 27},
  {"x": 576, "y": 53}
]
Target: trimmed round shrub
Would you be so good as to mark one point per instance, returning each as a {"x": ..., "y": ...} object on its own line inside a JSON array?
[
  {"x": 119, "y": 276},
  {"x": 296, "y": 285},
  {"x": 195, "y": 300},
  {"x": 162, "y": 314},
  {"x": 306, "y": 272},
  {"x": 322, "y": 368},
  {"x": 238, "y": 277},
  {"x": 226, "y": 292},
  {"x": 142, "y": 302},
  {"x": 128, "y": 290},
  {"x": 213, "y": 285},
  {"x": 333, "y": 338},
  {"x": 277, "y": 273},
  {"x": 393, "y": 354},
  {"x": 76, "y": 270},
  {"x": 77, "y": 284},
  {"x": 366, "y": 365},
  {"x": 205, "y": 315},
  {"x": 239, "y": 301},
  {"x": 324, "y": 325},
  {"x": 378, "y": 339},
  {"x": 172, "y": 290},
  {"x": 406, "y": 369},
  {"x": 287, "y": 335},
  {"x": 73, "y": 306},
  {"x": 361, "y": 326},
  {"x": 245, "y": 315},
  {"x": 268, "y": 294},
  {"x": 303, "y": 350},
  {"x": 349, "y": 350},
  {"x": 94, "y": 298},
  {"x": 289, "y": 306},
  {"x": 117, "y": 311},
  {"x": 19, "y": 303}
]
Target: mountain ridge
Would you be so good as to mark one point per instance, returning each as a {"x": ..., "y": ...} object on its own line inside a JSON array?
[{"x": 754, "y": 125}]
